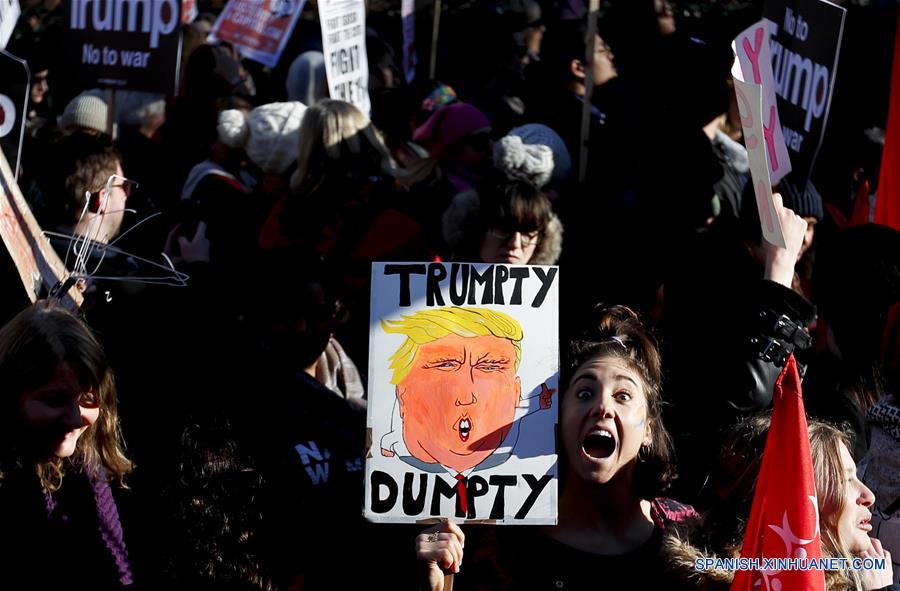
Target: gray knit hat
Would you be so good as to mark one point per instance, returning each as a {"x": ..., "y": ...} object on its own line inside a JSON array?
[
  {"x": 88, "y": 109},
  {"x": 807, "y": 203},
  {"x": 535, "y": 134}
]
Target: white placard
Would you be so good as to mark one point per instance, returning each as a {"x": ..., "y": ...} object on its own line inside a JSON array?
[
  {"x": 344, "y": 45},
  {"x": 749, "y": 100},
  {"x": 463, "y": 373},
  {"x": 752, "y": 48}
]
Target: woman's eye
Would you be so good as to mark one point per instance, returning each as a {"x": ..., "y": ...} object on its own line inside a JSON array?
[
  {"x": 624, "y": 396},
  {"x": 583, "y": 394},
  {"x": 88, "y": 399}
]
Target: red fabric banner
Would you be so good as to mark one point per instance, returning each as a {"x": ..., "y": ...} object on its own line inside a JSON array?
[{"x": 784, "y": 518}]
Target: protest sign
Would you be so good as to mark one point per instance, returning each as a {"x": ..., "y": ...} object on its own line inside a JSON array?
[
  {"x": 15, "y": 88},
  {"x": 344, "y": 45},
  {"x": 749, "y": 101},
  {"x": 410, "y": 59},
  {"x": 463, "y": 370},
  {"x": 9, "y": 15},
  {"x": 189, "y": 11},
  {"x": 40, "y": 269},
  {"x": 258, "y": 28},
  {"x": 752, "y": 48},
  {"x": 805, "y": 44},
  {"x": 123, "y": 44}
]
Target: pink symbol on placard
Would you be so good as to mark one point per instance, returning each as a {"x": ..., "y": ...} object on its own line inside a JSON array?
[
  {"x": 769, "y": 133},
  {"x": 751, "y": 142},
  {"x": 764, "y": 207},
  {"x": 753, "y": 55}
]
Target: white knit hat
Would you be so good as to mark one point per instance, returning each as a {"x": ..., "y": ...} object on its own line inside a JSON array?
[
  {"x": 269, "y": 133},
  {"x": 88, "y": 109}
]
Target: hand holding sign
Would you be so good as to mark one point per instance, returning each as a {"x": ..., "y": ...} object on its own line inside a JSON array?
[
  {"x": 780, "y": 261},
  {"x": 439, "y": 550}
]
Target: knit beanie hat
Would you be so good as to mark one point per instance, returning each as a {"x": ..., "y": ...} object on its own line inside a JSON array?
[
  {"x": 517, "y": 160},
  {"x": 448, "y": 125},
  {"x": 807, "y": 203},
  {"x": 535, "y": 134},
  {"x": 269, "y": 133},
  {"x": 88, "y": 109}
]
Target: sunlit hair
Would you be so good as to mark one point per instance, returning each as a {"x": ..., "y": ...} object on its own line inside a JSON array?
[
  {"x": 735, "y": 483},
  {"x": 616, "y": 332},
  {"x": 338, "y": 140},
  {"x": 32, "y": 346},
  {"x": 426, "y": 326}
]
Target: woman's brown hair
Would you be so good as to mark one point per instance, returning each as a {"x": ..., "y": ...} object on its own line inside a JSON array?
[
  {"x": 32, "y": 346},
  {"x": 617, "y": 332}
]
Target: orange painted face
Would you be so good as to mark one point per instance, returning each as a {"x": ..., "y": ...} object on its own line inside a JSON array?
[{"x": 459, "y": 400}]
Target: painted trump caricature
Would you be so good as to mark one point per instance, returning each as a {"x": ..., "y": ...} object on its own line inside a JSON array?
[{"x": 457, "y": 388}]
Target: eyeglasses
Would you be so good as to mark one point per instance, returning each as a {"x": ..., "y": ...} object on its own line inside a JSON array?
[
  {"x": 127, "y": 185},
  {"x": 529, "y": 239}
]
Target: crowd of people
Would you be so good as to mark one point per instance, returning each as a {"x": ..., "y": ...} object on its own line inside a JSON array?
[{"x": 160, "y": 437}]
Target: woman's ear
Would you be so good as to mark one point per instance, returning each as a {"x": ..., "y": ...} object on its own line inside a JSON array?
[
  {"x": 576, "y": 69},
  {"x": 648, "y": 432}
]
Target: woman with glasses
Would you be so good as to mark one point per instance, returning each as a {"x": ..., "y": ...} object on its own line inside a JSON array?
[{"x": 509, "y": 220}]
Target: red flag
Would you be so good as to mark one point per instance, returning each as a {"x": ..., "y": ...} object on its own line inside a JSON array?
[
  {"x": 784, "y": 518},
  {"x": 887, "y": 203}
]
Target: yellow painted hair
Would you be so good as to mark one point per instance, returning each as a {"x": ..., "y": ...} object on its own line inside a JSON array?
[{"x": 426, "y": 326}]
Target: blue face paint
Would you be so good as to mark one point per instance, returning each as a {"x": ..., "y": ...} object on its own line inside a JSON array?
[{"x": 640, "y": 424}]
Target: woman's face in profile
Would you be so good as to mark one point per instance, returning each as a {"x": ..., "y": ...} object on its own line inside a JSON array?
[{"x": 55, "y": 414}]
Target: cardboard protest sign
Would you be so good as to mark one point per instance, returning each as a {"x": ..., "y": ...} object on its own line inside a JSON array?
[
  {"x": 344, "y": 45},
  {"x": 805, "y": 44},
  {"x": 749, "y": 100},
  {"x": 40, "y": 269},
  {"x": 123, "y": 44},
  {"x": 463, "y": 373},
  {"x": 9, "y": 15},
  {"x": 752, "y": 48},
  {"x": 258, "y": 28},
  {"x": 15, "y": 88},
  {"x": 410, "y": 59}
]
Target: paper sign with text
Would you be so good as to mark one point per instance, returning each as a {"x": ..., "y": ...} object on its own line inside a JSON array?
[
  {"x": 752, "y": 47},
  {"x": 749, "y": 100},
  {"x": 9, "y": 15},
  {"x": 344, "y": 45},
  {"x": 123, "y": 44},
  {"x": 463, "y": 401},
  {"x": 805, "y": 44},
  {"x": 258, "y": 28},
  {"x": 15, "y": 88}
]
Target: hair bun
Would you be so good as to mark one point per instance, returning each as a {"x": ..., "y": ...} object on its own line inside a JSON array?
[{"x": 610, "y": 318}]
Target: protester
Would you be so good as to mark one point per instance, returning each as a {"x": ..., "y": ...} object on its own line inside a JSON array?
[
  {"x": 844, "y": 508},
  {"x": 62, "y": 455},
  {"x": 509, "y": 220},
  {"x": 616, "y": 460}
]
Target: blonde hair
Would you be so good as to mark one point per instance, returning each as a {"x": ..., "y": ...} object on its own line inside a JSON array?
[
  {"x": 335, "y": 136},
  {"x": 426, "y": 326}
]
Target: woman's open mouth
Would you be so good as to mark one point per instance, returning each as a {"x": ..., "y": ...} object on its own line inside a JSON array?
[
  {"x": 599, "y": 444},
  {"x": 866, "y": 524}
]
